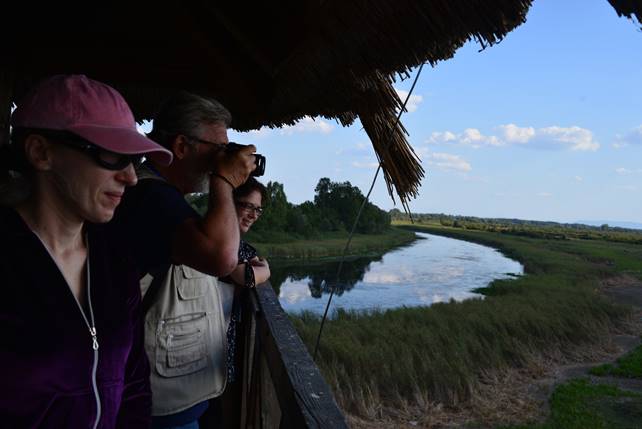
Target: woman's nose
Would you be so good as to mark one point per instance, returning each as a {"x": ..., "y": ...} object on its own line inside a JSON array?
[{"x": 128, "y": 175}]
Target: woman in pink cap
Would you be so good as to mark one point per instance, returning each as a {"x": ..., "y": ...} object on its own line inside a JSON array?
[{"x": 72, "y": 349}]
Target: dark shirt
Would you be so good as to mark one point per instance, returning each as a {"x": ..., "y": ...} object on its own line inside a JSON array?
[
  {"x": 46, "y": 354},
  {"x": 148, "y": 217}
]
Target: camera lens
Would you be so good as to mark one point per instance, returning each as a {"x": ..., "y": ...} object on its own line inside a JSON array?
[
  {"x": 260, "y": 165},
  {"x": 259, "y": 160}
]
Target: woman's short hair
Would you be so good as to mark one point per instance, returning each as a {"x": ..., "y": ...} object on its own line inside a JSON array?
[{"x": 248, "y": 187}]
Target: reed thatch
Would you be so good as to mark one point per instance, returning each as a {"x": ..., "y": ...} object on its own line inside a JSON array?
[
  {"x": 270, "y": 63},
  {"x": 628, "y": 8}
]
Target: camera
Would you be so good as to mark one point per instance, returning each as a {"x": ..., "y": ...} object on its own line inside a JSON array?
[{"x": 259, "y": 160}]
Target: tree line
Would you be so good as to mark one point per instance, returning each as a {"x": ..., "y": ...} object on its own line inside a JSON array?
[
  {"x": 333, "y": 210},
  {"x": 527, "y": 228}
]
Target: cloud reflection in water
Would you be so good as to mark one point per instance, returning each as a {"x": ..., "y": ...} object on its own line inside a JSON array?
[{"x": 430, "y": 271}]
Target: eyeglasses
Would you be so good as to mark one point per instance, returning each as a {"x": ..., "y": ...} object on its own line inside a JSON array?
[
  {"x": 198, "y": 140},
  {"x": 104, "y": 158},
  {"x": 249, "y": 207}
]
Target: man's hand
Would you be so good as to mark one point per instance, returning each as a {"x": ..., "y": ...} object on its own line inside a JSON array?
[{"x": 235, "y": 166}]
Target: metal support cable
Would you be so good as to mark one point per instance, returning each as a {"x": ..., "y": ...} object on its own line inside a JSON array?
[{"x": 356, "y": 221}]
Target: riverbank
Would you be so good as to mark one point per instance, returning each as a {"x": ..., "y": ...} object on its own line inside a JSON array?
[
  {"x": 332, "y": 245},
  {"x": 411, "y": 365}
]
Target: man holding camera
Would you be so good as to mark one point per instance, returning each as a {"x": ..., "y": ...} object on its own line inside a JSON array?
[{"x": 179, "y": 253}]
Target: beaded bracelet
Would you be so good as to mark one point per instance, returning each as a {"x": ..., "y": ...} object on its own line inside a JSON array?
[{"x": 224, "y": 178}]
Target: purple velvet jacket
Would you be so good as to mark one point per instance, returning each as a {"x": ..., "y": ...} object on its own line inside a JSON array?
[{"x": 46, "y": 354}]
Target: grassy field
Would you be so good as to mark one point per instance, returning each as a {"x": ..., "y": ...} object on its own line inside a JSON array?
[
  {"x": 627, "y": 366},
  {"x": 332, "y": 245},
  {"x": 579, "y": 404},
  {"x": 438, "y": 354}
]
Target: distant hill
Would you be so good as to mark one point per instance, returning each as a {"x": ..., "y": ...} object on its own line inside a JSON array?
[{"x": 619, "y": 224}]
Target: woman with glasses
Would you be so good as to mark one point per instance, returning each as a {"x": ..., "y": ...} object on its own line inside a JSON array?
[
  {"x": 251, "y": 270},
  {"x": 72, "y": 351}
]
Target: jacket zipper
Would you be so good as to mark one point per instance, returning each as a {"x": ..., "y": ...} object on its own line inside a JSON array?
[
  {"x": 94, "y": 339},
  {"x": 91, "y": 326}
]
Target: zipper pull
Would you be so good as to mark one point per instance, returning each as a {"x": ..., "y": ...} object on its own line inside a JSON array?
[{"x": 94, "y": 338}]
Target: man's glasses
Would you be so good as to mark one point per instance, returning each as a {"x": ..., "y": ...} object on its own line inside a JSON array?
[
  {"x": 249, "y": 207},
  {"x": 198, "y": 140},
  {"x": 103, "y": 157}
]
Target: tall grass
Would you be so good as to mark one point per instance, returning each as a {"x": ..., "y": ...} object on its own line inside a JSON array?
[{"x": 439, "y": 353}]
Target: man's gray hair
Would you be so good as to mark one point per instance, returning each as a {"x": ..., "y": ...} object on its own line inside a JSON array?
[{"x": 184, "y": 113}]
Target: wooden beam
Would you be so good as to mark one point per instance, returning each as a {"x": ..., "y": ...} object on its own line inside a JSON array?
[
  {"x": 6, "y": 92},
  {"x": 305, "y": 399}
]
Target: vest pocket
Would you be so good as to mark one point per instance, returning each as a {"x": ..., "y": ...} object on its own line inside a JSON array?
[
  {"x": 180, "y": 345},
  {"x": 193, "y": 284}
]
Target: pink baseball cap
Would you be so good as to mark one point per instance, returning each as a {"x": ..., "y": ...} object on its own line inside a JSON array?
[{"x": 89, "y": 109}]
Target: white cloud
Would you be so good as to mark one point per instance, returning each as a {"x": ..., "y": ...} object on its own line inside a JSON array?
[
  {"x": 579, "y": 178},
  {"x": 449, "y": 162},
  {"x": 474, "y": 138},
  {"x": 625, "y": 171},
  {"x": 577, "y": 138},
  {"x": 413, "y": 102},
  {"x": 633, "y": 137},
  {"x": 514, "y": 134},
  {"x": 441, "y": 137},
  {"x": 306, "y": 125},
  {"x": 544, "y": 194},
  {"x": 261, "y": 132},
  {"x": 554, "y": 137}
]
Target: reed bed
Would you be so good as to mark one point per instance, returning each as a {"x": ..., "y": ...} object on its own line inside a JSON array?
[{"x": 440, "y": 353}]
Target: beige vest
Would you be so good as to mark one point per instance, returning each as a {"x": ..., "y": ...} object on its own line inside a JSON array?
[
  {"x": 186, "y": 336},
  {"x": 185, "y": 339}
]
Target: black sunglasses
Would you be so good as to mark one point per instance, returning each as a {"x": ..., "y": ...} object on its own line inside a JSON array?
[{"x": 104, "y": 158}]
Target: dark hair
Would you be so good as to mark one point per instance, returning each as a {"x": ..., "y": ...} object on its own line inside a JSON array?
[
  {"x": 184, "y": 113},
  {"x": 248, "y": 187}
]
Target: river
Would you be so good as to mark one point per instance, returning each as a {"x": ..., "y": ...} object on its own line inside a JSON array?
[{"x": 432, "y": 269}]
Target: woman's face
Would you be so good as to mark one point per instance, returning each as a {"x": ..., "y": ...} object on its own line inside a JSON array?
[
  {"x": 246, "y": 209},
  {"x": 85, "y": 189}
]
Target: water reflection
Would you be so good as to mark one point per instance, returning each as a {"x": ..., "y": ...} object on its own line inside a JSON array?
[
  {"x": 318, "y": 277},
  {"x": 435, "y": 269}
]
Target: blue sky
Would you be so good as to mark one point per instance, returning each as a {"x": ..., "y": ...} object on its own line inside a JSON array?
[{"x": 546, "y": 125}]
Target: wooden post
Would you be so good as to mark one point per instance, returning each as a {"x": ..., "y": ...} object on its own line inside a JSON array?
[
  {"x": 6, "y": 91},
  {"x": 304, "y": 399}
]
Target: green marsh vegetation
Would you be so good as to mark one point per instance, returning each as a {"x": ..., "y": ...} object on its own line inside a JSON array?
[
  {"x": 578, "y": 404},
  {"x": 332, "y": 245},
  {"x": 629, "y": 366},
  {"x": 439, "y": 354}
]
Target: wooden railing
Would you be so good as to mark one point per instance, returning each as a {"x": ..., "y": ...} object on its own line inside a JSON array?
[{"x": 279, "y": 384}]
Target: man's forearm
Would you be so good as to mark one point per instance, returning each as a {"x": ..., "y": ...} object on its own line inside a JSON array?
[
  {"x": 211, "y": 244},
  {"x": 221, "y": 223}
]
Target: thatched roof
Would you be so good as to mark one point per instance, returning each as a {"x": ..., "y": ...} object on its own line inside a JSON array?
[
  {"x": 628, "y": 8},
  {"x": 270, "y": 63}
]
